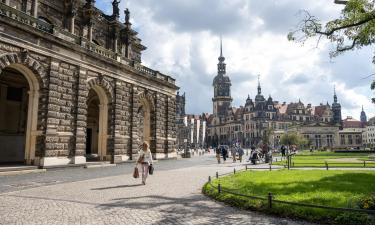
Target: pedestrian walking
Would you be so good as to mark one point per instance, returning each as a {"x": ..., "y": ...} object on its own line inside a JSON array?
[
  {"x": 233, "y": 151},
  {"x": 241, "y": 152},
  {"x": 144, "y": 160},
  {"x": 283, "y": 149},
  {"x": 218, "y": 153},
  {"x": 224, "y": 152}
]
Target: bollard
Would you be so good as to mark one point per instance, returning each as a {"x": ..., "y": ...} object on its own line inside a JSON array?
[
  {"x": 217, "y": 175},
  {"x": 270, "y": 200},
  {"x": 364, "y": 163},
  {"x": 246, "y": 167},
  {"x": 326, "y": 165},
  {"x": 270, "y": 167},
  {"x": 219, "y": 188},
  {"x": 209, "y": 179},
  {"x": 234, "y": 171}
]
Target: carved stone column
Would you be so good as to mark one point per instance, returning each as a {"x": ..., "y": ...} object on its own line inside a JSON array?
[
  {"x": 34, "y": 8},
  {"x": 73, "y": 13},
  {"x": 89, "y": 31}
]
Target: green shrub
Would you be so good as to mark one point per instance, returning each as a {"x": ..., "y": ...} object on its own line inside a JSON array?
[
  {"x": 367, "y": 203},
  {"x": 354, "y": 219}
]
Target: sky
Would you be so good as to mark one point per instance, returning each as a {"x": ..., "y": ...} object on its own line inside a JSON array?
[{"x": 183, "y": 40}]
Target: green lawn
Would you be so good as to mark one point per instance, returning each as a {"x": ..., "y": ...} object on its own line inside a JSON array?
[
  {"x": 330, "y": 188},
  {"x": 319, "y": 159}
]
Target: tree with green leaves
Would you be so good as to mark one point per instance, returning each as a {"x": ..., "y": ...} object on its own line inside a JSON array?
[
  {"x": 293, "y": 138},
  {"x": 354, "y": 29}
]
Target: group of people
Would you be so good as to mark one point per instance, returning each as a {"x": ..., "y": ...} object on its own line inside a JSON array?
[{"x": 223, "y": 151}]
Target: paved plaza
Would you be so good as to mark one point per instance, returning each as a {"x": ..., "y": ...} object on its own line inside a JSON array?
[{"x": 111, "y": 196}]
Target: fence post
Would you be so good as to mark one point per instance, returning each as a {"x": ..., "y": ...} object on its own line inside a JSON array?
[
  {"x": 209, "y": 179},
  {"x": 234, "y": 171},
  {"x": 217, "y": 175},
  {"x": 326, "y": 165},
  {"x": 219, "y": 188},
  {"x": 270, "y": 200}
]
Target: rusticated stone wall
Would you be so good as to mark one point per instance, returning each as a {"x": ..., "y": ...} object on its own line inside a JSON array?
[
  {"x": 62, "y": 109},
  {"x": 66, "y": 66}
]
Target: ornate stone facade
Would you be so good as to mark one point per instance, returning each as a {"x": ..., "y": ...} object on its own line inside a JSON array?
[
  {"x": 249, "y": 124},
  {"x": 89, "y": 96}
]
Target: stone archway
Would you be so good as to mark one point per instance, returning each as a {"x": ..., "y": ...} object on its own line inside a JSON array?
[
  {"x": 97, "y": 129},
  {"x": 18, "y": 70},
  {"x": 146, "y": 119}
]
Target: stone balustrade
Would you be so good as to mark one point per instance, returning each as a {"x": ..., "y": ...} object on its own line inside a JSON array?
[{"x": 26, "y": 19}]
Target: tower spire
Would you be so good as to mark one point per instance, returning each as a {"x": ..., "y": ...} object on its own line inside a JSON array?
[
  {"x": 334, "y": 94},
  {"x": 221, "y": 66},
  {"x": 259, "y": 88},
  {"x": 221, "y": 46}
]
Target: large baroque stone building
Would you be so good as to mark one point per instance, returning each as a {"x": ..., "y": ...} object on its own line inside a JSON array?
[
  {"x": 72, "y": 86},
  {"x": 248, "y": 125}
]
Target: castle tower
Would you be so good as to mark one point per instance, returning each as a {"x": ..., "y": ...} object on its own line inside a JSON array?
[
  {"x": 222, "y": 99},
  {"x": 336, "y": 109},
  {"x": 180, "y": 107},
  {"x": 363, "y": 117}
]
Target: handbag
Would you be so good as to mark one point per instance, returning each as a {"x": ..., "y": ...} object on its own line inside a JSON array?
[
  {"x": 151, "y": 169},
  {"x": 141, "y": 159},
  {"x": 136, "y": 172}
]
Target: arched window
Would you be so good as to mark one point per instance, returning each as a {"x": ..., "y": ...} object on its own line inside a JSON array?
[
  {"x": 96, "y": 42},
  {"x": 45, "y": 24}
]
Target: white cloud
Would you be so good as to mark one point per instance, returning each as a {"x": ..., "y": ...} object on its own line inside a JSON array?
[{"x": 183, "y": 40}]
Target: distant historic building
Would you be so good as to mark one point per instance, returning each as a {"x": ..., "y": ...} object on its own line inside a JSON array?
[
  {"x": 249, "y": 124},
  {"x": 191, "y": 129},
  {"x": 72, "y": 86}
]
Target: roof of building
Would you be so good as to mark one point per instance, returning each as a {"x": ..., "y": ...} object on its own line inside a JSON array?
[{"x": 350, "y": 122}]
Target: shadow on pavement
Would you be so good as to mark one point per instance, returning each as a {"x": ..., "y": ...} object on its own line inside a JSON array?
[
  {"x": 195, "y": 209},
  {"x": 114, "y": 187}
]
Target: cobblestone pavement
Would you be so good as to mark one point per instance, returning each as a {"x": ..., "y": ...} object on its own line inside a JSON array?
[{"x": 171, "y": 196}]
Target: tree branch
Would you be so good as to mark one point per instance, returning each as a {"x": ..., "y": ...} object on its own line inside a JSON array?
[
  {"x": 339, "y": 49},
  {"x": 328, "y": 33}
]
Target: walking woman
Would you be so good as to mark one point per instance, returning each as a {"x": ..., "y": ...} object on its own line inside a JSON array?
[{"x": 145, "y": 160}]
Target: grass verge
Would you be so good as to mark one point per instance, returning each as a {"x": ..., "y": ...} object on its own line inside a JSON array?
[{"x": 329, "y": 188}]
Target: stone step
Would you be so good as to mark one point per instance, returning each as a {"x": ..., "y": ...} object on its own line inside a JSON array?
[
  {"x": 98, "y": 165},
  {"x": 16, "y": 170}
]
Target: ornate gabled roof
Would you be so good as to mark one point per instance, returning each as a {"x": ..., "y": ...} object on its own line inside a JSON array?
[
  {"x": 249, "y": 101},
  {"x": 269, "y": 100},
  {"x": 221, "y": 77}
]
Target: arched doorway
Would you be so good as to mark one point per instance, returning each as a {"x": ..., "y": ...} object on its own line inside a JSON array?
[
  {"x": 144, "y": 132},
  {"x": 146, "y": 122},
  {"x": 19, "y": 96},
  {"x": 97, "y": 124}
]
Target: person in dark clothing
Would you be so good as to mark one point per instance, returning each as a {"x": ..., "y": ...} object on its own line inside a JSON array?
[
  {"x": 253, "y": 156},
  {"x": 224, "y": 152},
  {"x": 283, "y": 149}
]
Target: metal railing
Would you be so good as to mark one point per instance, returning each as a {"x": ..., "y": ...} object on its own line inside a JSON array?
[
  {"x": 271, "y": 199},
  {"x": 289, "y": 163}
]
